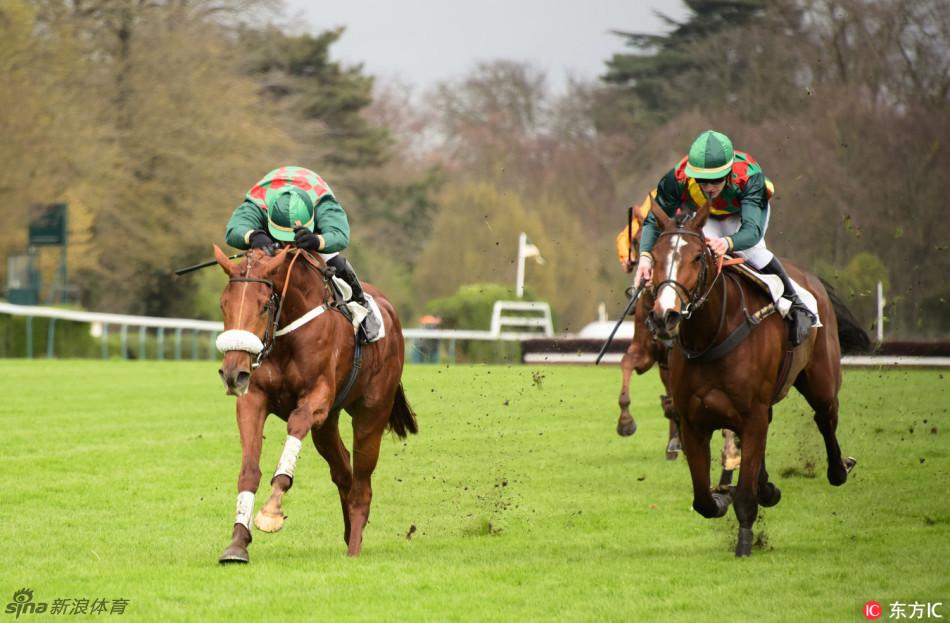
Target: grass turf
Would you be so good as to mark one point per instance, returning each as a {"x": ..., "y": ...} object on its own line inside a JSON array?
[{"x": 117, "y": 480}]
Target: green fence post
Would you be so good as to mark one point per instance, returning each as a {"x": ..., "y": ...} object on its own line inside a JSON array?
[
  {"x": 124, "y": 341},
  {"x": 161, "y": 343},
  {"x": 29, "y": 337},
  {"x": 142, "y": 351},
  {"x": 105, "y": 340},
  {"x": 50, "y": 338},
  {"x": 177, "y": 343}
]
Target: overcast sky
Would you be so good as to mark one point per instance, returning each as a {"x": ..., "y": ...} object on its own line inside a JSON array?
[{"x": 425, "y": 41}]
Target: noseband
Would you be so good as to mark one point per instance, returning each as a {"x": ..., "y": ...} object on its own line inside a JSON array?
[{"x": 272, "y": 306}]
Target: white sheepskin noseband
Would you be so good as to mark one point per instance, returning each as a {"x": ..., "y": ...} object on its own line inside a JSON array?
[{"x": 238, "y": 339}]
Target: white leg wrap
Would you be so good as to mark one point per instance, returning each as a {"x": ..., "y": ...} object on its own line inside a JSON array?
[
  {"x": 288, "y": 459},
  {"x": 245, "y": 508}
]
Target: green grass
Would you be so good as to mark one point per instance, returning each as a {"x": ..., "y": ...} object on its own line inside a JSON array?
[{"x": 117, "y": 480}]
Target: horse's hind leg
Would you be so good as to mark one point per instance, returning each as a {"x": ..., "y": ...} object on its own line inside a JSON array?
[
  {"x": 746, "y": 504},
  {"x": 821, "y": 394},
  {"x": 368, "y": 430},
  {"x": 330, "y": 446},
  {"x": 769, "y": 494}
]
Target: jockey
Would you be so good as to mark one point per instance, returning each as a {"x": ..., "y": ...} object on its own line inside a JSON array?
[
  {"x": 629, "y": 238},
  {"x": 293, "y": 204},
  {"x": 738, "y": 193}
]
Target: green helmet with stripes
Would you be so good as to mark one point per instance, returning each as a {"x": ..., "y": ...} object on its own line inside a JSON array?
[
  {"x": 289, "y": 208},
  {"x": 710, "y": 156}
]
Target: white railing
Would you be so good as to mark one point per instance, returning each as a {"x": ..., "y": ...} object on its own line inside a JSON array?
[{"x": 100, "y": 324}]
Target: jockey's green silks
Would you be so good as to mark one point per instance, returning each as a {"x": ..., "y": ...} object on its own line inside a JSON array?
[
  {"x": 747, "y": 192},
  {"x": 331, "y": 220}
]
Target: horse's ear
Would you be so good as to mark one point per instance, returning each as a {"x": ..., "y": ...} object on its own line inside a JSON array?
[
  {"x": 702, "y": 214},
  {"x": 661, "y": 218},
  {"x": 229, "y": 268}
]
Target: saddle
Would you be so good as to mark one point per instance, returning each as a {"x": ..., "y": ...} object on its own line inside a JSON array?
[{"x": 772, "y": 286}]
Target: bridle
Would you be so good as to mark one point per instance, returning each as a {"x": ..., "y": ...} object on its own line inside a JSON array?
[
  {"x": 690, "y": 299},
  {"x": 273, "y": 306},
  {"x": 694, "y": 300}
]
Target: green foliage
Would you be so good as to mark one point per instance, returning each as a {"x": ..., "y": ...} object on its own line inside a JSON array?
[
  {"x": 672, "y": 71},
  {"x": 471, "y": 308},
  {"x": 517, "y": 501},
  {"x": 325, "y": 100},
  {"x": 857, "y": 285},
  {"x": 70, "y": 339}
]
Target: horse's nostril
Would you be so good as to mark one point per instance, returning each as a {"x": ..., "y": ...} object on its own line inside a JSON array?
[
  {"x": 243, "y": 378},
  {"x": 671, "y": 319}
]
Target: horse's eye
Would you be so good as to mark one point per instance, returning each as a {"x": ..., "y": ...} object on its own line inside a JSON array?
[{"x": 698, "y": 258}]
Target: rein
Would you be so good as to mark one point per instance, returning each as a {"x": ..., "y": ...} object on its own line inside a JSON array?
[
  {"x": 275, "y": 304},
  {"x": 693, "y": 301}
]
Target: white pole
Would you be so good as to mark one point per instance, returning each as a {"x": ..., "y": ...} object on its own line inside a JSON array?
[
  {"x": 519, "y": 281},
  {"x": 880, "y": 312}
]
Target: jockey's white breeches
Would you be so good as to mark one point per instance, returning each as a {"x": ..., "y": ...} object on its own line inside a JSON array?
[{"x": 757, "y": 255}]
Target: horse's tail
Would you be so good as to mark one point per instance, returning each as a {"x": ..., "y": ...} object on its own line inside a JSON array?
[
  {"x": 402, "y": 419},
  {"x": 853, "y": 339}
]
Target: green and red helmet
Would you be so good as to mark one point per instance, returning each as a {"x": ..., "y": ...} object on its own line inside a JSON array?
[
  {"x": 288, "y": 209},
  {"x": 710, "y": 156}
]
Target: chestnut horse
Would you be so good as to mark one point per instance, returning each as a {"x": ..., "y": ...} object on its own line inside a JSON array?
[
  {"x": 720, "y": 379},
  {"x": 643, "y": 352},
  {"x": 301, "y": 371}
]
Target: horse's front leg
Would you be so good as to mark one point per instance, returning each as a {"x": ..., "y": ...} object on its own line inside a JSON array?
[
  {"x": 311, "y": 411},
  {"x": 754, "y": 434},
  {"x": 251, "y": 413},
  {"x": 626, "y": 425},
  {"x": 696, "y": 446}
]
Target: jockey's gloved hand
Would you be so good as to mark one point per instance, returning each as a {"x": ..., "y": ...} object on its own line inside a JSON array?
[
  {"x": 306, "y": 239},
  {"x": 260, "y": 239}
]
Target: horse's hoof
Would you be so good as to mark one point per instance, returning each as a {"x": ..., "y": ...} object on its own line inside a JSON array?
[
  {"x": 673, "y": 449},
  {"x": 267, "y": 522},
  {"x": 234, "y": 554},
  {"x": 744, "y": 546},
  {"x": 769, "y": 496},
  {"x": 625, "y": 429},
  {"x": 723, "y": 500},
  {"x": 849, "y": 463}
]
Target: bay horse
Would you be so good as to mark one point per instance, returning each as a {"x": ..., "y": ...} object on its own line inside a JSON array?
[
  {"x": 732, "y": 361},
  {"x": 305, "y": 372}
]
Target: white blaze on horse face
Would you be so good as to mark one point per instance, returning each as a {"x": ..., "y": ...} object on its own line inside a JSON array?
[{"x": 667, "y": 297}]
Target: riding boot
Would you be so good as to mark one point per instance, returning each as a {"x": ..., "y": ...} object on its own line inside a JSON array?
[
  {"x": 344, "y": 270},
  {"x": 799, "y": 317}
]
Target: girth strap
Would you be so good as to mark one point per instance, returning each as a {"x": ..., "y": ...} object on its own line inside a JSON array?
[
  {"x": 734, "y": 338},
  {"x": 354, "y": 372}
]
